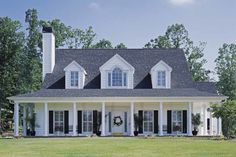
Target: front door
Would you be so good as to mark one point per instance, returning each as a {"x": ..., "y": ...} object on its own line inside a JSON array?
[{"x": 118, "y": 122}]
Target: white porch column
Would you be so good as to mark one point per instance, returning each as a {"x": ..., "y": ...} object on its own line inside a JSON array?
[
  {"x": 160, "y": 119},
  {"x": 205, "y": 120},
  {"x": 103, "y": 119},
  {"x": 202, "y": 120},
  {"x": 211, "y": 124},
  {"x": 24, "y": 121},
  {"x": 190, "y": 119},
  {"x": 16, "y": 119},
  {"x": 74, "y": 118},
  {"x": 220, "y": 126},
  {"x": 46, "y": 119},
  {"x": 132, "y": 119}
]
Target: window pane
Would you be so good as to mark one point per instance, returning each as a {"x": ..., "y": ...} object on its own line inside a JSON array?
[
  {"x": 74, "y": 78},
  {"x": 161, "y": 78},
  {"x": 117, "y": 77},
  {"x": 125, "y": 79},
  {"x": 109, "y": 79}
]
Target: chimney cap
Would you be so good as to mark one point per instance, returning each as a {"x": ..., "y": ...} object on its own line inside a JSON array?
[{"x": 47, "y": 29}]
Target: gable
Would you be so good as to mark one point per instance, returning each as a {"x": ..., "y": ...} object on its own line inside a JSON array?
[
  {"x": 161, "y": 65},
  {"x": 73, "y": 66},
  {"x": 116, "y": 61}
]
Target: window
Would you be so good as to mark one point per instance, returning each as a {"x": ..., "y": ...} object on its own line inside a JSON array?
[
  {"x": 74, "y": 79},
  {"x": 177, "y": 121},
  {"x": 161, "y": 78},
  {"x": 117, "y": 78},
  {"x": 59, "y": 121},
  {"x": 87, "y": 121},
  {"x": 148, "y": 121}
]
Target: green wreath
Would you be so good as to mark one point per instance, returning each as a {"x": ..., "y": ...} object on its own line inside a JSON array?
[{"x": 117, "y": 121}]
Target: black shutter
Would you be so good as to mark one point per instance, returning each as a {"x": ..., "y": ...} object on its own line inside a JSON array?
[
  {"x": 50, "y": 122},
  {"x": 79, "y": 122},
  {"x": 140, "y": 115},
  {"x": 66, "y": 122},
  {"x": 169, "y": 121},
  {"x": 208, "y": 123},
  {"x": 95, "y": 113},
  {"x": 156, "y": 121},
  {"x": 184, "y": 121}
]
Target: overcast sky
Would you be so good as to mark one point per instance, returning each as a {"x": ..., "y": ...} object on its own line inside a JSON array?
[{"x": 135, "y": 22}]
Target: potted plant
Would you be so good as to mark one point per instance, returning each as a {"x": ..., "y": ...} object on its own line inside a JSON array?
[
  {"x": 137, "y": 123},
  {"x": 196, "y": 121},
  {"x": 99, "y": 122},
  {"x": 31, "y": 120}
]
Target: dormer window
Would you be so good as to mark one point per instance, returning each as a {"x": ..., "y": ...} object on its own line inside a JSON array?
[
  {"x": 117, "y": 73},
  {"x": 161, "y": 75},
  {"x": 161, "y": 79},
  {"x": 74, "y": 76},
  {"x": 74, "y": 79},
  {"x": 117, "y": 78}
]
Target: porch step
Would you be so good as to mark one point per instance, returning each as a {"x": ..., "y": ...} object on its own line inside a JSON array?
[{"x": 117, "y": 134}]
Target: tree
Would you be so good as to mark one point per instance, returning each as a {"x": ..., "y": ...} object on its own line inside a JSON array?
[
  {"x": 30, "y": 79},
  {"x": 226, "y": 111},
  {"x": 103, "y": 44},
  {"x": 226, "y": 70},
  {"x": 11, "y": 47},
  {"x": 62, "y": 32},
  {"x": 120, "y": 46},
  {"x": 81, "y": 38},
  {"x": 176, "y": 36}
]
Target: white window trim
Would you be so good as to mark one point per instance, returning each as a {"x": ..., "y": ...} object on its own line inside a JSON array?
[
  {"x": 165, "y": 79},
  {"x": 172, "y": 121},
  {"x": 117, "y": 87},
  {"x": 74, "y": 87},
  {"x": 86, "y": 132},
  {"x": 149, "y": 132},
  {"x": 54, "y": 118}
]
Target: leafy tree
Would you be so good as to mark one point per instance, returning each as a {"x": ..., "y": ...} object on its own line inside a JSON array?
[
  {"x": 31, "y": 57},
  {"x": 81, "y": 38},
  {"x": 11, "y": 47},
  {"x": 226, "y": 111},
  {"x": 103, "y": 44},
  {"x": 226, "y": 70},
  {"x": 176, "y": 36},
  {"x": 62, "y": 32},
  {"x": 121, "y": 46}
]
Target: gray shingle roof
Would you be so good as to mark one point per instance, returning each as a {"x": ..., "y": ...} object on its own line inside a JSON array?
[{"x": 141, "y": 59}]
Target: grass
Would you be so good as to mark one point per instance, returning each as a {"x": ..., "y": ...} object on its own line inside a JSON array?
[{"x": 116, "y": 147}]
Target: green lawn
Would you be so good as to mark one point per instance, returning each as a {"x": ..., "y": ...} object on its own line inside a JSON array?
[{"x": 117, "y": 147}]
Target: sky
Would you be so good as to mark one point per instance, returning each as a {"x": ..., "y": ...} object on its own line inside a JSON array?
[{"x": 135, "y": 22}]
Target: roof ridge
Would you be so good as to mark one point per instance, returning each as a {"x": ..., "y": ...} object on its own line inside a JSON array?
[{"x": 128, "y": 49}]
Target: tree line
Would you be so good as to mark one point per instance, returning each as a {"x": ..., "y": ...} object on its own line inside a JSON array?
[{"x": 21, "y": 59}]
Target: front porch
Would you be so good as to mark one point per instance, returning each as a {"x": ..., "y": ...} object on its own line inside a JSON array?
[{"x": 80, "y": 118}]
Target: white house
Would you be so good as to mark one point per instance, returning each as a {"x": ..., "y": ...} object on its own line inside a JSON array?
[{"x": 155, "y": 84}]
